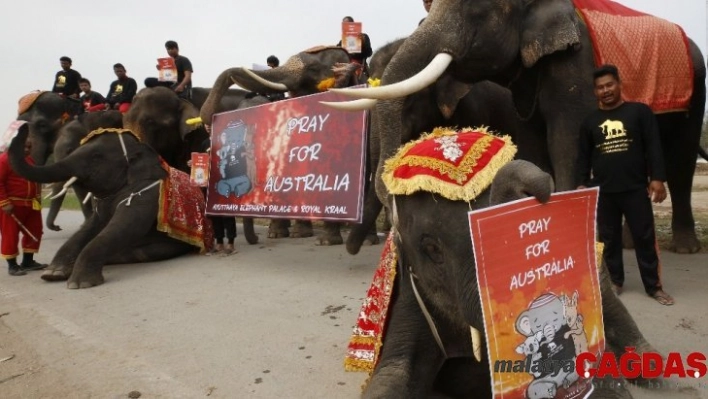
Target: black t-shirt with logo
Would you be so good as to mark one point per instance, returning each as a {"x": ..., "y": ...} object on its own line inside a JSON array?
[
  {"x": 122, "y": 91},
  {"x": 67, "y": 82},
  {"x": 622, "y": 149}
]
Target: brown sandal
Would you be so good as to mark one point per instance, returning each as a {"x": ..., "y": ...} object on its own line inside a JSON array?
[{"x": 663, "y": 298}]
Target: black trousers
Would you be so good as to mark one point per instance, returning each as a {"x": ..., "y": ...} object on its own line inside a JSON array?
[
  {"x": 636, "y": 207},
  {"x": 221, "y": 225},
  {"x": 154, "y": 82}
]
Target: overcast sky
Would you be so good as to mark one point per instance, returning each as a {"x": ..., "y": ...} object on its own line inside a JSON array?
[{"x": 214, "y": 34}]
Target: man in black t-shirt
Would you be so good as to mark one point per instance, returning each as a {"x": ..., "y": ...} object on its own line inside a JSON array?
[
  {"x": 121, "y": 93},
  {"x": 66, "y": 81},
  {"x": 620, "y": 145},
  {"x": 366, "y": 51},
  {"x": 183, "y": 86},
  {"x": 92, "y": 101}
]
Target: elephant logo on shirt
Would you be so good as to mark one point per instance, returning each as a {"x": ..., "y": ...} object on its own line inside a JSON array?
[
  {"x": 613, "y": 129},
  {"x": 61, "y": 81},
  {"x": 119, "y": 89}
]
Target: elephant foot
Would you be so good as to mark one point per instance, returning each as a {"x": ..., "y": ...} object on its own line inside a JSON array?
[
  {"x": 85, "y": 281},
  {"x": 329, "y": 239},
  {"x": 371, "y": 239},
  {"x": 302, "y": 229},
  {"x": 56, "y": 275},
  {"x": 685, "y": 243},
  {"x": 277, "y": 229}
]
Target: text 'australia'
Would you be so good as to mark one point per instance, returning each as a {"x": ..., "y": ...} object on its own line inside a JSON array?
[{"x": 310, "y": 182}]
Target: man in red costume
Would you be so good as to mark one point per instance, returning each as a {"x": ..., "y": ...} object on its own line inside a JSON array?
[{"x": 21, "y": 209}]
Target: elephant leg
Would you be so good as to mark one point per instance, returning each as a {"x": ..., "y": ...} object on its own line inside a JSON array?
[
  {"x": 386, "y": 226},
  {"x": 278, "y": 228},
  {"x": 332, "y": 234},
  {"x": 249, "y": 231},
  {"x": 680, "y": 140},
  {"x": 126, "y": 230},
  {"x": 302, "y": 229},
  {"x": 62, "y": 265},
  {"x": 410, "y": 359},
  {"x": 157, "y": 246}
]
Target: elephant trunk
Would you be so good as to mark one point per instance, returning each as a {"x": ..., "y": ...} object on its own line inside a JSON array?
[
  {"x": 221, "y": 85},
  {"x": 55, "y": 206},
  {"x": 520, "y": 179},
  {"x": 39, "y": 174}
]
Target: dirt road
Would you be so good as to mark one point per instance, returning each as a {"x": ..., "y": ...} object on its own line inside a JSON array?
[{"x": 271, "y": 321}]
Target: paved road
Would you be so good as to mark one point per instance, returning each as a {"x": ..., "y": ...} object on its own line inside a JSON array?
[{"x": 271, "y": 321}]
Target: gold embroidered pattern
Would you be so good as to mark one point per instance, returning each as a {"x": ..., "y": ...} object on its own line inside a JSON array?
[{"x": 102, "y": 130}]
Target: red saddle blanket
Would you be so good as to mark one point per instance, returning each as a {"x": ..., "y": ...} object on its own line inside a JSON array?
[
  {"x": 652, "y": 54},
  {"x": 181, "y": 214}
]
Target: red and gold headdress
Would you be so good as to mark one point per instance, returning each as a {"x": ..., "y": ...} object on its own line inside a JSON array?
[{"x": 456, "y": 165}]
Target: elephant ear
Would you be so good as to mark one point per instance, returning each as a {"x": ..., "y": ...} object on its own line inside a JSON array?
[
  {"x": 144, "y": 164},
  {"x": 187, "y": 111},
  {"x": 549, "y": 26},
  {"x": 448, "y": 93}
]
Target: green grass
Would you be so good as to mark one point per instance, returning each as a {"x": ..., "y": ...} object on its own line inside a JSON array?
[{"x": 70, "y": 201}]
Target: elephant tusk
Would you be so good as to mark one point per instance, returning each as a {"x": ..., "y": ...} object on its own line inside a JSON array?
[
  {"x": 476, "y": 343},
  {"x": 88, "y": 197},
  {"x": 415, "y": 83},
  {"x": 66, "y": 187},
  {"x": 267, "y": 83},
  {"x": 356, "y": 105}
]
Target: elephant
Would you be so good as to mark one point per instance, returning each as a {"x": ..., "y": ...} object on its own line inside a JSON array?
[
  {"x": 432, "y": 239},
  {"x": 122, "y": 173},
  {"x": 68, "y": 140},
  {"x": 160, "y": 116},
  {"x": 308, "y": 72},
  {"x": 542, "y": 51},
  {"x": 480, "y": 104},
  {"x": 46, "y": 113}
]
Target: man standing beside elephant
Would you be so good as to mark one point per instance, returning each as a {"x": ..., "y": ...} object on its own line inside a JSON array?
[
  {"x": 619, "y": 144},
  {"x": 20, "y": 202}
]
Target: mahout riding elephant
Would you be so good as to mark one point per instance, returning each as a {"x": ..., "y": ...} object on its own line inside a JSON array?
[
  {"x": 126, "y": 177},
  {"x": 308, "y": 72},
  {"x": 68, "y": 140},
  {"x": 480, "y": 104},
  {"x": 542, "y": 51},
  {"x": 432, "y": 239},
  {"x": 46, "y": 113}
]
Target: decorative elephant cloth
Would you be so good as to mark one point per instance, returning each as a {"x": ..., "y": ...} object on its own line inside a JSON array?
[
  {"x": 26, "y": 101},
  {"x": 182, "y": 205},
  {"x": 458, "y": 166},
  {"x": 182, "y": 211},
  {"x": 620, "y": 36},
  {"x": 367, "y": 338}
]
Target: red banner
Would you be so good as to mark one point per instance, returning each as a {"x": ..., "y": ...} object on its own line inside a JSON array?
[
  {"x": 295, "y": 159},
  {"x": 540, "y": 293}
]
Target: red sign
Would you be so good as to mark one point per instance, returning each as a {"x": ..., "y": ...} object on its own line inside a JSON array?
[
  {"x": 167, "y": 69},
  {"x": 294, "y": 158},
  {"x": 540, "y": 292},
  {"x": 351, "y": 36},
  {"x": 199, "y": 175}
]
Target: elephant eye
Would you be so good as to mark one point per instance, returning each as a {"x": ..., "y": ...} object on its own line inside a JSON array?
[{"x": 432, "y": 249}]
